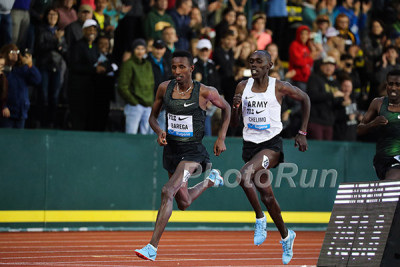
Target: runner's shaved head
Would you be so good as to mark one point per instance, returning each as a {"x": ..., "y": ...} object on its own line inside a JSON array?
[{"x": 264, "y": 53}]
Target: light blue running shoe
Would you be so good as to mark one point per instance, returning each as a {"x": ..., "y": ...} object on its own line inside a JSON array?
[
  {"x": 287, "y": 247},
  {"x": 147, "y": 253},
  {"x": 216, "y": 178},
  {"x": 260, "y": 232}
]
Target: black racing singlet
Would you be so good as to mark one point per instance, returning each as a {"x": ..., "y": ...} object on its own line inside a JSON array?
[
  {"x": 388, "y": 144},
  {"x": 185, "y": 118}
]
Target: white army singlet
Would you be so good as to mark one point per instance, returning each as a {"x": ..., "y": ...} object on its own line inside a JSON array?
[{"x": 261, "y": 113}]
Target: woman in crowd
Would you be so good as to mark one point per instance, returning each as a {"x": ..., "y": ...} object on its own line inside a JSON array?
[
  {"x": 50, "y": 48},
  {"x": 20, "y": 73}
]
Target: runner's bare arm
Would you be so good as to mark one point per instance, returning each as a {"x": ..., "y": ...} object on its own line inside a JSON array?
[
  {"x": 285, "y": 88},
  {"x": 371, "y": 118},
  {"x": 237, "y": 101},
  {"x": 155, "y": 111},
  {"x": 217, "y": 100}
]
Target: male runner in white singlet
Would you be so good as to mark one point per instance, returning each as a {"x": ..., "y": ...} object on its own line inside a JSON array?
[{"x": 260, "y": 98}]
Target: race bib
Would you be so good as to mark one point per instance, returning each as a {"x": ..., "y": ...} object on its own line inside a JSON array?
[
  {"x": 257, "y": 121},
  {"x": 180, "y": 125},
  {"x": 256, "y": 115}
]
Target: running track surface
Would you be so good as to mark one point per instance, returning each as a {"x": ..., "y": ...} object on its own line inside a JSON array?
[{"x": 177, "y": 248}]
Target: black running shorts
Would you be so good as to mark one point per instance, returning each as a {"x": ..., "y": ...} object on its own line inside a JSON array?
[
  {"x": 383, "y": 164},
  {"x": 175, "y": 152},
  {"x": 250, "y": 149}
]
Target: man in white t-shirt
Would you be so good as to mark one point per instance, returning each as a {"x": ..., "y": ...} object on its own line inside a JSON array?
[{"x": 260, "y": 98}]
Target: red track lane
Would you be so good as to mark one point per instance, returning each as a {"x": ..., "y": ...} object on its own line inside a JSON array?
[{"x": 177, "y": 248}]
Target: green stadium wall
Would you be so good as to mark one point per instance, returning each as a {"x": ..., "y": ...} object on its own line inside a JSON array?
[{"x": 65, "y": 180}]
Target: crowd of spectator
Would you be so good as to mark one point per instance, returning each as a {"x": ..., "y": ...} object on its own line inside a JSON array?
[{"x": 95, "y": 65}]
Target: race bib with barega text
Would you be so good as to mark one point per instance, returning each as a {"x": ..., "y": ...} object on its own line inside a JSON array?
[{"x": 180, "y": 125}]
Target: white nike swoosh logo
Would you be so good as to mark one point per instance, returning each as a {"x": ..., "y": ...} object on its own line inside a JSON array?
[
  {"x": 394, "y": 165},
  {"x": 187, "y": 105}
]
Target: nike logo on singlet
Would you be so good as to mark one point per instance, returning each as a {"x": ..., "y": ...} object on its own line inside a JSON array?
[
  {"x": 258, "y": 112},
  {"x": 184, "y": 118},
  {"x": 248, "y": 97},
  {"x": 187, "y": 105}
]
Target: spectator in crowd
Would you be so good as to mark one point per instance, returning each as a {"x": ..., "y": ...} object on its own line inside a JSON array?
[
  {"x": 359, "y": 66},
  {"x": 157, "y": 19},
  {"x": 325, "y": 96},
  {"x": 20, "y": 22},
  {"x": 114, "y": 12},
  {"x": 225, "y": 61},
  {"x": 300, "y": 58},
  {"x": 243, "y": 51},
  {"x": 5, "y": 21},
  {"x": 20, "y": 73},
  {"x": 346, "y": 68},
  {"x": 277, "y": 14},
  {"x": 83, "y": 72},
  {"x": 321, "y": 27},
  {"x": 89, "y": 3},
  {"x": 327, "y": 7},
  {"x": 103, "y": 20},
  {"x": 67, "y": 13},
  {"x": 180, "y": 16},
  {"x": 104, "y": 84},
  {"x": 4, "y": 111},
  {"x": 204, "y": 67},
  {"x": 50, "y": 48},
  {"x": 207, "y": 8},
  {"x": 73, "y": 32},
  {"x": 331, "y": 36},
  {"x": 228, "y": 18},
  {"x": 206, "y": 73},
  {"x": 237, "y": 5},
  {"x": 373, "y": 45},
  {"x": 161, "y": 71},
  {"x": 347, "y": 115},
  {"x": 356, "y": 12},
  {"x": 309, "y": 12},
  {"x": 242, "y": 29},
  {"x": 273, "y": 50},
  {"x": 389, "y": 61},
  {"x": 336, "y": 54},
  {"x": 136, "y": 86},
  {"x": 36, "y": 12},
  {"x": 342, "y": 25},
  {"x": 125, "y": 34},
  {"x": 258, "y": 33},
  {"x": 170, "y": 38},
  {"x": 196, "y": 23}
]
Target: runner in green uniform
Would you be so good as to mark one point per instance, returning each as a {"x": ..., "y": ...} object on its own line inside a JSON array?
[
  {"x": 185, "y": 103},
  {"x": 383, "y": 115}
]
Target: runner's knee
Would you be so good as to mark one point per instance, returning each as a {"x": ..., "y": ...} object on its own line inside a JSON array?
[
  {"x": 167, "y": 192},
  {"x": 183, "y": 205}
]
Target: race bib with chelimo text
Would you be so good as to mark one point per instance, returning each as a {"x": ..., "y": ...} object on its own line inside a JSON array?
[
  {"x": 180, "y": 125},
  {"x": 256, "y": 115}
]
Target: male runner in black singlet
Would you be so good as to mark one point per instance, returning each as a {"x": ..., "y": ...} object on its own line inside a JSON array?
[
  {"x": 185, "y": 103},
  {"x": 383, "y": 115}
]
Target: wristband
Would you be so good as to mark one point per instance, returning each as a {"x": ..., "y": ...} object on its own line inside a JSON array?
[{"x": 302, "y": 133}]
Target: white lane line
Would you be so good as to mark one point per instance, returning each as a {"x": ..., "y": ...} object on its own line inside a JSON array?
[
  {"x": 133, "y": 246},
  {"x": 174, "y": 260},
  {"x": 236, "y": 251},
  {"x": 121, "y": 240},
  {"x": 129, "y": 255}
]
